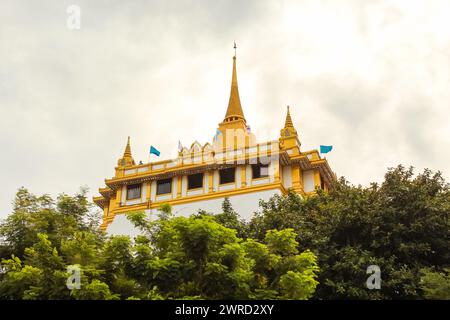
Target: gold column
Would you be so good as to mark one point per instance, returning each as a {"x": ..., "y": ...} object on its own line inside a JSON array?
[
  {"x": 110, "y": 212},
  {"x": 210, "y": 184},
  {"x": 302, "y": 183},
  {"x": 316, "y": 178},
  {"x": 112, "y": 205},
  {"x": 243, "y": 176},
  {"x": 296, "y": 177},
  {"x": 147, "y": 193},
  {"x": 119, "y": 197},
  {"x": 179, "y": 184},
  {"x": 149, "y": 183},
  {"x": 276, "y": 172}
]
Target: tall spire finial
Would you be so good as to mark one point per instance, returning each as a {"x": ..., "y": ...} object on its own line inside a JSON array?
[
  {"x": 127, "y": 158},
  {"x": 235, "y": 47},
  {"x": 288, "y": 135},
  {"x": 234, "y": 110},
  {"x": 288, "y": 123},
  {"x": 127, "y": 148}
]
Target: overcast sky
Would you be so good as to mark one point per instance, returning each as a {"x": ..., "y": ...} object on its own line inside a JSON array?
[{"x": 370, "y": 78}]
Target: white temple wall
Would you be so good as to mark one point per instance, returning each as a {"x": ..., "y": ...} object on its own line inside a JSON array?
[
  {"x": 287, "y": 177},
  {"x": 244, "y": 204},
  {"x": 308, "y": 180}
]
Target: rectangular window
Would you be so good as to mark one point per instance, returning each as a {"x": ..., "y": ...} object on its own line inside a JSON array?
[
  {"x": 227, "y": 175},
  {"x": 260, "y": 171},
  {"x": 164, "y": 186},
  {"x": 195, "y": 181},
  {"x": 133, "y": 191}
]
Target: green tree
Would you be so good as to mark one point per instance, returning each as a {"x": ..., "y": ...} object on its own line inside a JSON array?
[
  {"x": 94, "y": 290},
  {"x": 231, "y": 219},
  {"x": 34, "y": 215},
  {"x": 198, "y": 257},
  {"x": 402, "y": 226},
  {"x": 18, "y": 280},
  {"x": 435, "y": 285},
  {"x": 175, "y": 257},
  {"x": 41, "y": 238}
]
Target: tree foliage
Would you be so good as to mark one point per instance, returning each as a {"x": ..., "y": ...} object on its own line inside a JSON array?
[
  {"x": 192, "y": 257},
  {"x": 436, "y": 285},
  {"x": 401, "y": 225},
  {"x": 199, "y": 257}
]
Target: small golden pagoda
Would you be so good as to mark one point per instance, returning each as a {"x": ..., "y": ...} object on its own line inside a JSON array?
[{"x": 233, "y": 165}]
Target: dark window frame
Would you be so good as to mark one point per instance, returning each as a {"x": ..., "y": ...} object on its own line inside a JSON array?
[
  {"x": 193, "y": 176},
  {"x": 225, "y": 170},
  {"x": 131, "y": 187},
  {"x": 162, "y": 182},
  {"x": 259, "y": 176}
]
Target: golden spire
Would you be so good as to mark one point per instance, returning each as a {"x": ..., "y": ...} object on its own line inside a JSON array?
[
  {"x": 127, "y": 158},
  {"x": 234, "y": 110},
  {"x": 288, "y": 123},
  {"x": 127, "y": 152},
  {"x": 288, "y": 135}
]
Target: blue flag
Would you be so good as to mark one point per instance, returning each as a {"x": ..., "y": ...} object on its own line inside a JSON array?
[
  {"x": 154, "y": 151},
  {"x": 325, "y": 149},
  {"x": 218, "y": 133}
]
